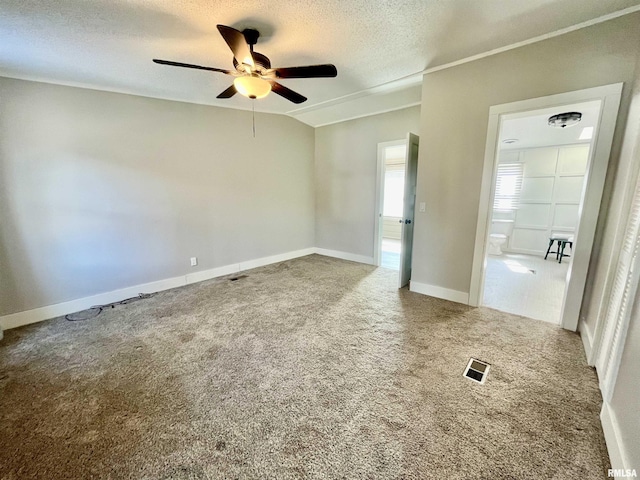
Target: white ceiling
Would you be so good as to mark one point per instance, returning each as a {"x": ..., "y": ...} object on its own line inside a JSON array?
[
  {"x": 109, "y": 44},
  {"x": 531, "y": 129}
]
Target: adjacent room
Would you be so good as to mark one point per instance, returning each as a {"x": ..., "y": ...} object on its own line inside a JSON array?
[
  {"x": 540, "y": 183},
  {"x": 393, "y": 205},
  {"x": 319, "y": 240}
]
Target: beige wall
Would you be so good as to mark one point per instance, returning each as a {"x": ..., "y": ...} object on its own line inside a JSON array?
[
  {"x": 455, "y": 108},
  {"x": 101, "y": 191},
  {"x": 346, "y": 164}
]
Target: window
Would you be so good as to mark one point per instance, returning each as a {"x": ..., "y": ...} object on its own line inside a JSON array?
[
  {"x": 508, "y": 186},
  {"x": 393, "y": 191}
]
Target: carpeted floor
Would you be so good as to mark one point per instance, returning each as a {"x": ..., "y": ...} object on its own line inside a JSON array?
[{"x": 311, "y": 368}]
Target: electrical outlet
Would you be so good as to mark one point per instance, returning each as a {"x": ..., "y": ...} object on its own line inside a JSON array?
[
  {"x": 423, "y": 206},
  {"x": 194, "y": 261}
]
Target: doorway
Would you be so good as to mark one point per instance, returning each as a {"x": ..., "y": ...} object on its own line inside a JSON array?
[
  {"x": 538, "y": 192},
  {"x": 395, "y": 205},
  {"x": 541, "y": 192},
  {"x": 394, "y": 166}
]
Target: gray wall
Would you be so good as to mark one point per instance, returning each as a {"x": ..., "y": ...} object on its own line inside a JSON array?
[
  {"x": 101, "y": 191},
  {"x": 454, "y": 122},
  {"x": 346, "y": 166}
]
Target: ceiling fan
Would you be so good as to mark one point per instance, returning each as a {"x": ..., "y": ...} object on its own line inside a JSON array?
[{"x": 254, "y": 76}]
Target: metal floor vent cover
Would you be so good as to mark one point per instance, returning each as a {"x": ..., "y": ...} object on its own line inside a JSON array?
[{"x": 477, "y": 370}]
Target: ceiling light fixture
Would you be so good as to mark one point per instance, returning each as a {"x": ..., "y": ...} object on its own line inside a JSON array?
[
  {"x": 563, "y": 120},
  {"x": 252, "y": 86}
]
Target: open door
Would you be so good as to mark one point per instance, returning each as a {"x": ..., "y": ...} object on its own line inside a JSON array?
[{"x": 408, "y": 210}]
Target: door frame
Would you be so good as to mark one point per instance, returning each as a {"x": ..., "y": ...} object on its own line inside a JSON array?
[
  {"x": 609, "y": 95},
  {"x": 377, "y": 237}
]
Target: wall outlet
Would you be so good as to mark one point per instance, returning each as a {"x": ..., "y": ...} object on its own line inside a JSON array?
[
  {"x": 423, "y": 206},
  {"x": 194, "y": 261}
]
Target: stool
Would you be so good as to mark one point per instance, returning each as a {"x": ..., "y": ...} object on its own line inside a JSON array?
[{"x": 563, "y": 240}]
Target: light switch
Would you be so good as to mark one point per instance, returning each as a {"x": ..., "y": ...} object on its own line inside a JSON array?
[{"x": 423, "y": 206}]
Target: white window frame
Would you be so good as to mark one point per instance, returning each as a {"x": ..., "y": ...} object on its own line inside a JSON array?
[{"x": 512, "y": 198}]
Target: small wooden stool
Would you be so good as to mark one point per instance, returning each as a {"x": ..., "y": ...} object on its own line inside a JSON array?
[{"x": 563, "y": 240}]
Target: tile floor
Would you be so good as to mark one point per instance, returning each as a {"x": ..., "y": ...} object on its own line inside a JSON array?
[{"x": 526, "y": 285}]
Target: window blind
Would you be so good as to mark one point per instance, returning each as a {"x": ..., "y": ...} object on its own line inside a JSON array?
[{"x": 508, "y": 186}]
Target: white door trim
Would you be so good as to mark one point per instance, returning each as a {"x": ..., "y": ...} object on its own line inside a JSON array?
[
  {"x": 377, "y": 237},
  {"x": 609, "y": 95}
]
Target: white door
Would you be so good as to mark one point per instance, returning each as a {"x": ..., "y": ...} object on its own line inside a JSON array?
[{"x": 409, "y": 207}]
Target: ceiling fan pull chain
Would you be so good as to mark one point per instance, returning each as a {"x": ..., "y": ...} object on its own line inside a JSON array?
[{"x": 253, "y": 116}]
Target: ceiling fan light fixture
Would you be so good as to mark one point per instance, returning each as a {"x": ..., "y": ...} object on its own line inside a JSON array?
[
  {"x": 252, "y": 86},
  {"x": 563, "y": 120},
  {"x": 251, "y": 68}
]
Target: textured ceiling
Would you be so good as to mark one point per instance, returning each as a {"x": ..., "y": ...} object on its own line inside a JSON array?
[{"x": 109, "y": 44}]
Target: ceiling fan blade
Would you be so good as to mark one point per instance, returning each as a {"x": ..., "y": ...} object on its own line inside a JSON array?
[
  {"x": 228, "y": 93},
  {"x": 238, "y": 45},
  {"x": 286, "y": 92},
  {"x": 188, "y": 65},
  {"x": 310, "y": 71}
]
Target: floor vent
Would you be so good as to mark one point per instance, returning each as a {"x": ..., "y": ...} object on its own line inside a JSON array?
[
  {"x": 477, "y": 370},
  {"x": 239, "y": 277}
]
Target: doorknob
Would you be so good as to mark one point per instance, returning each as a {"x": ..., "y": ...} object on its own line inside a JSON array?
[
  {"x": 400, "y": 220},
  {"x": 407, "y": 222}
]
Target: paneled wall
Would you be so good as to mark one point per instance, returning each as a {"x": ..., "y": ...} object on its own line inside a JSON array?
[
  {"x": 392, "y": 227},
  {"x": 552, "y": 186}
]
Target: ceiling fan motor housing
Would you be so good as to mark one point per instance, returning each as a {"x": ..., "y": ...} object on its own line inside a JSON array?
[
  {"x": 261, "y": 62},
  {"x": 251, "y": 35}
]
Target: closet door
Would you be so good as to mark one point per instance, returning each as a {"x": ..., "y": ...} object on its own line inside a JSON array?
[{"x": 621, "y": 302}]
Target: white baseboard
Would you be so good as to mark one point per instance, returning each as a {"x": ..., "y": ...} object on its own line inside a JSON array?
[
  {"x": 612, "y": 438},
  {"x": 345, "y": 256},
  {"x": 587, "y": 342},
  {"x": 524, "y": 251},
  {"x": 261, "y": 262},
  {"x": 211, "y": 273},
  {"x": 51, "y": 311},
  {"x": 439, "y": 292}
]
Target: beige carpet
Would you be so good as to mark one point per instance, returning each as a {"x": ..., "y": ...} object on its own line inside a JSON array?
[{"x": 312, "y": 368}]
